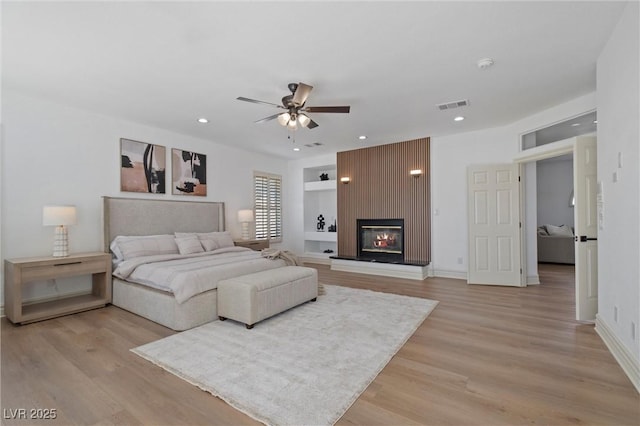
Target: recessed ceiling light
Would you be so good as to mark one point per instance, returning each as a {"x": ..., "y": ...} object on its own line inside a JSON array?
[
  {"x": 458, "y": 118},
  {"x": 575, "y": 124},
  {"x": 595, "y": 121},
  {"x": 363, "y": 137},
  {"x": 203, "y": 120},
  {"x": 296, "y": 149}
]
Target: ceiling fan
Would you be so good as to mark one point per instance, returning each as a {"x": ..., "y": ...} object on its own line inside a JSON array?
[{"x": 294, "y": 104}]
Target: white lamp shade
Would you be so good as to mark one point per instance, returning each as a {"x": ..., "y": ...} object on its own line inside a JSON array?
[
  {"x": 59, "y": 215},
  {"x": 284, "y": 118},
  {"x": 245, "y": 216},
  {"x": 303, "y": 120}
]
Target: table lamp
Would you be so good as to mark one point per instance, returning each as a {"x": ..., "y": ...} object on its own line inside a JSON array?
[
  {"x": 60, "y": 217},
  {"x": 245, "y": 217}
]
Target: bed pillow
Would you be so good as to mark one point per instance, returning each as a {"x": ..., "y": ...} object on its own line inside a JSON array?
[
  {"x": 221, "y": 239},
  {"x": 189, "y": 245},
  {"x": 559, "y": 231},
  {"x": 542, "y": 231},
  {"x": 224, "y": 239},
  {"x": 209, "y": 244},
  {"x": 131, "y": 247},
  {"x": 115, "y": 244}
]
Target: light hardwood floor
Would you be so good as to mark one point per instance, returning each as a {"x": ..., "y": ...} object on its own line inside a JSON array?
[{"x": 485, "y": 356}]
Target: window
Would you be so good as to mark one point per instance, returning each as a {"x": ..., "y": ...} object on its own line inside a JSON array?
[
  {"x": 268, "y": 206},
  {"x": 576, "y": 126}
]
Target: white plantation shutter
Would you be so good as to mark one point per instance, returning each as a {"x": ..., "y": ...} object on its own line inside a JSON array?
[{"x": 268, "y": 206}]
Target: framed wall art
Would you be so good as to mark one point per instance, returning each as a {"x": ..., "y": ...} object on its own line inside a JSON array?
[
  {"x": 189, "y": 173},
  {"x": 142, "y": 167}
]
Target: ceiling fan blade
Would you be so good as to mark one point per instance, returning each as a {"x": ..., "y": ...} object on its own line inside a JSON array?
[
  {"x": 269, "y": 118},
  {"x": 340, "y": 109},
  {"x": 312, "y": 125},
  {"x": 254, "y": 101},
  {"x": 301, "y": 94}
]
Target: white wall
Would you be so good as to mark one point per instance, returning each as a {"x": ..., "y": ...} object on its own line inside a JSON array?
[
  {"x": 618, "y": 132},
  {"x": 450, "y": 156},
  {"x": 555, "y": 185},
  {"x": 55, "y": 154}
]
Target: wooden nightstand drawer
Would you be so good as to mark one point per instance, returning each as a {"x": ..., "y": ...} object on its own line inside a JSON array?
[{"x": 60, "y": 270}]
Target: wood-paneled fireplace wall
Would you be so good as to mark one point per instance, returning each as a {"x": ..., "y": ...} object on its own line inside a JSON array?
[{"x": 381, "y": 187}]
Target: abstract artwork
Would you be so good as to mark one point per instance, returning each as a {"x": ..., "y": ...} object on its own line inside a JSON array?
[
  {"x": 143, "y": 167},
  {"x": 189, "y": 173}
]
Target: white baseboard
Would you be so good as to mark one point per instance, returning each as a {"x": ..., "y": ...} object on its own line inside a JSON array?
[
  {"x": 458, "y": 275},
  {"x": 630, "y": 365},
  {"x": 533, "y": 279}
]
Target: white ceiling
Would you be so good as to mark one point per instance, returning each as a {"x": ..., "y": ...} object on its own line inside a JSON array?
[{"x": 165, "y": 64}]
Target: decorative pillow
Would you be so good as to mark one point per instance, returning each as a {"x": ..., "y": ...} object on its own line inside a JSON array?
[
  {"x": 559, "y": 231},
  {"x": 189, "y": 245},
  {"x": 542, "y": 231},
  {"x": 222, "y": 239},
  {"x": 131, "y": 247},
  {"x": 209, "y": 244}
]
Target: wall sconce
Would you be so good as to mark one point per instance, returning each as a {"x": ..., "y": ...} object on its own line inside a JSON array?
[
  {"x": 59, "y": 216},
  {"x": 345, "y": 179},
  {"x": 245, "y": 217},
  {"x": 416, "y": 173}
]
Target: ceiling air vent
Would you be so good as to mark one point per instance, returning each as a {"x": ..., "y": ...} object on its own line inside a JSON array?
[
  {"x": 314, "y": 144},
  {"x": 452, "y": 105}
]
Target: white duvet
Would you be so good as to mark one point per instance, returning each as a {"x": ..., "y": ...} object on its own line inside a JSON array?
[{"x": 188, "y": 275}]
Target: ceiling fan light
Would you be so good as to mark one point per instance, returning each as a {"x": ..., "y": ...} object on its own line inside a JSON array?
[
  {"x": 292, "y": 124},
  {"x": 284, "y": 118},
  {"x": 303, "y": 120}
]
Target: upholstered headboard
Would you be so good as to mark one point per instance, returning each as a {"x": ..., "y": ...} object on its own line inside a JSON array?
[{"x": 132, "y": 216}]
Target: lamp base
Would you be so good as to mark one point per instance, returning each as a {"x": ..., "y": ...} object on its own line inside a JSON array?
[
  {"x": 61, "y": 242},
  {"x": 245, "y": 230}
]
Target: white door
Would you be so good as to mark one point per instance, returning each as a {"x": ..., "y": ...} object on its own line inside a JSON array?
[
  {"x": 494, "y": 225},
  {"x": 586, "y": 227}
]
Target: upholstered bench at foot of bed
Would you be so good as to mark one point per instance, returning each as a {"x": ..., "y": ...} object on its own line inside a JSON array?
[{"x": 254, "y": 297}]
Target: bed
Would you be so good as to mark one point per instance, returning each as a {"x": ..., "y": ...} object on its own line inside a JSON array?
[{"x": 164, "y": 304}]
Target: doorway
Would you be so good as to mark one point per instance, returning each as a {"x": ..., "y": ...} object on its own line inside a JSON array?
[
  {"x": 585, "y": 244},
  {"x": 554, "y": 205}
]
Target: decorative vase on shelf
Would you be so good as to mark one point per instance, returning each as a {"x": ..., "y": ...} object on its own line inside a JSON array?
[{"x": 321, "y": 223}]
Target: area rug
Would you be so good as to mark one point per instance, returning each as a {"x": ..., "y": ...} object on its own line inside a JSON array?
[{"x": 305, "y": 366}]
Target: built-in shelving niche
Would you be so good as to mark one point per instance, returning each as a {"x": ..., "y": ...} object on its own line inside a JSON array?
[{"x": 319, "y": 199}]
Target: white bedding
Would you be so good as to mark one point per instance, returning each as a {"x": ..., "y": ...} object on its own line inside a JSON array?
[{"x": 188, "y": 275}]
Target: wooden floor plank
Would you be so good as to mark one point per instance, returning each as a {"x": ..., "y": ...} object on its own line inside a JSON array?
[{"x": 486, "y": 355}]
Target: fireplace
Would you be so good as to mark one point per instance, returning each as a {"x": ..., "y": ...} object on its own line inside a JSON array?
[{"x": 381, "y": 239}]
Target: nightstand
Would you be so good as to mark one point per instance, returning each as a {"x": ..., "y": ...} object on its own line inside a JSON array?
[
  {"x": 20, "y": 271},
  {"x": 253, "y": 244}
]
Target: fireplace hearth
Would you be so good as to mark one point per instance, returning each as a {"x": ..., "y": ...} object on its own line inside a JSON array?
[{"x": 381, "y": 240}]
